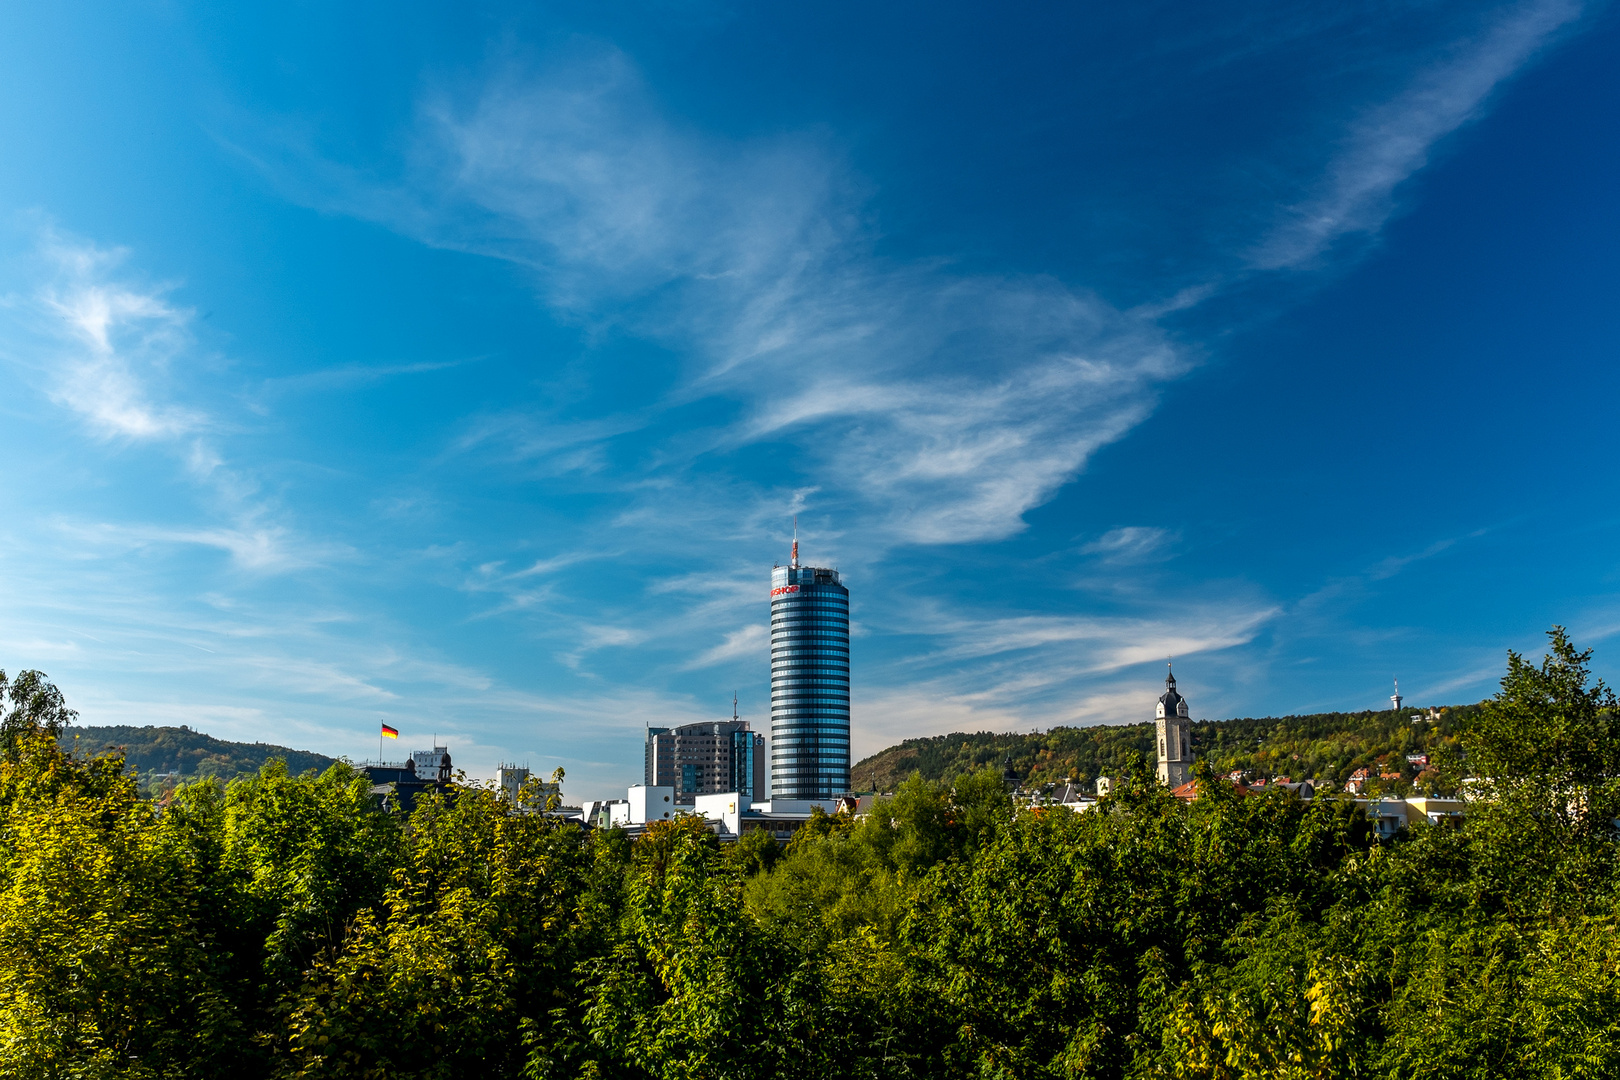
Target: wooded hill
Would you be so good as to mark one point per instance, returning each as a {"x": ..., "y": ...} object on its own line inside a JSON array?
[
  {"x": 1325, "y": 747},
  {"x": 161, "y": 757}
]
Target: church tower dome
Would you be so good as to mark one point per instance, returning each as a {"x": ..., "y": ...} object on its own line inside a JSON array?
[{"x": 1171, "y": 703}]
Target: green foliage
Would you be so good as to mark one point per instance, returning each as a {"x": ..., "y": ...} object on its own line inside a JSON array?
[
  {"x": 1079, "y": 753},
  {"x": 30, "y": 703},
  {"x": 1326, "y": 747},
  {"x": 470, "y": 950},
  {"x": 164, "y": 757},
  {"x": 1548, "y": 741},
  {"x": 288, "y": 926},
  {"x": 755, "y": 852}
]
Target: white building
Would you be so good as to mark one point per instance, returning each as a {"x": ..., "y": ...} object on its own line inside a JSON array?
[{"x": 649, "y": 804}]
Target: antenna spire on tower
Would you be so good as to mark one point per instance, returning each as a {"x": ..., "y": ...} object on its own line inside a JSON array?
[
  {"x": 795, "y": 539},
  {"x": 734, "y": 705}
]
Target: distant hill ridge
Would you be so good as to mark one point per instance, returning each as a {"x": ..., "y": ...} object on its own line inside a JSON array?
[
  {"x": 1327, "y": 747},
  {"x": 154, "y": 752}
]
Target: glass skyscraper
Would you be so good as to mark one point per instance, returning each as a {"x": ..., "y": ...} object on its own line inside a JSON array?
[{"x": 809, "y": 682}]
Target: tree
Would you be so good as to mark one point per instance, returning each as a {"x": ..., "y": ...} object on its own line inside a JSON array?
[
  {"x": 115, "y": 924},
  {"x": 697, "y": 992},
  {"x": 1547, "y": 741},
  {"x": 462, "y": 967},
  {"x": 28, "y": 704},
  {"x": 1545, "y": 757}
]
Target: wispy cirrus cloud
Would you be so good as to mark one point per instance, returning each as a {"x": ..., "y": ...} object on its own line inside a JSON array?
[
  {"x": 112, "y": 338},
  {"x": 1130, "y": 544},
  {"x": 942, "y": 707},
  {"x": 1393, "y": 139},
  {"x": 257, "y": 547},
  {"x": 946, "y": 404},
  {"x": 1000, "y": 673},
  {"x": 278, "y": 667},
  {"x": 1101, "y": 644},
  {"x": 746, "y": 643},
  {"x": 931, "y": 405},
  {"x": 91, "y": 335}
]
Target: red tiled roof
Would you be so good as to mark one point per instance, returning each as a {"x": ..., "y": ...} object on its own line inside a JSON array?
[{"x": 1189, "y": 791}]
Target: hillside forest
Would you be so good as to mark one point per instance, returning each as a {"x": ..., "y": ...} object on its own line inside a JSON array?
[
  {"x": 281, "y": 926},
  {"x": 1325, "y": 747},
  {"x": 162, "y": 758}
]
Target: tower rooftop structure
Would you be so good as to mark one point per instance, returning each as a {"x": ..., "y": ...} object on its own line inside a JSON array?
[{"x": 1171, "y": 703}]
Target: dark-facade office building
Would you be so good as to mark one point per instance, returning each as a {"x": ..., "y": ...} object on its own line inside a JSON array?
[{"x": 706, "y": 759}]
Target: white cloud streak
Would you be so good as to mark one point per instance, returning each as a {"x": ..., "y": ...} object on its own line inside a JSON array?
[
  {"x": 1391, "y": 141},
  {"x": 1130, "y": 544},
  {"x": 750, "y": 642},
  {"x": 259, "y": 548},
  {"x": 933, "y": 406},
  {"x": 114, "y": 337},
  {"x": 1112, "y": 643},
  {"x": 115, "y": 352},
  {"x": 1008, "y": 673}
]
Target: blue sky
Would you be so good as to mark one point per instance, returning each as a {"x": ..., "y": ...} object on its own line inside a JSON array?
[{"x": 465, "y": 370}]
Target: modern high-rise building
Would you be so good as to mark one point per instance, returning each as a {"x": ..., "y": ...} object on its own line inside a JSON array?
[
  {"x": 809, "y": 682},
  {"x": 706, "y": 759}
]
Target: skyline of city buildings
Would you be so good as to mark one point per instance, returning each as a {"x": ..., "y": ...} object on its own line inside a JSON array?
[{"x": 809, "y": 682}]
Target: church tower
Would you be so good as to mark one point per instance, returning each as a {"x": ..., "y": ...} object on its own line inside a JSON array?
[{"x": 1175, "y": 737}]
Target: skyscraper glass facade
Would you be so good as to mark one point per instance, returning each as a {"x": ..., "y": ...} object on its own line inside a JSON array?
[{"x": 809, "y": 683}]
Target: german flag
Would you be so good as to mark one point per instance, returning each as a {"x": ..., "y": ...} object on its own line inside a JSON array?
[{"x": 389, "y": 733}]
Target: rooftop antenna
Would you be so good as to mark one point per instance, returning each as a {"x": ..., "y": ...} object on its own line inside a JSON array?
[
  {"x": 734, "y": 705},
  {"x": 795, "y": 540}
]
